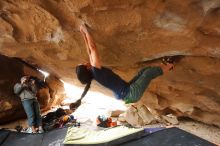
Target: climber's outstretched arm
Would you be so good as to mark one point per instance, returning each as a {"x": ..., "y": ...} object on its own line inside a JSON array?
[{"x": 91, "y": 47}]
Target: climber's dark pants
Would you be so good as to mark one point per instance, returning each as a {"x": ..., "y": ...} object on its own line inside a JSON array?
[{"x": 140, "y": 82}]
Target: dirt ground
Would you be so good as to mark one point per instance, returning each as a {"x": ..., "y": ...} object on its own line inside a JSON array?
[{"x": 210, "y": 133}]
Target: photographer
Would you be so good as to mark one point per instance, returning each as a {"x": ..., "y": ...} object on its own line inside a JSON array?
[{"x": 27, "y": 91}]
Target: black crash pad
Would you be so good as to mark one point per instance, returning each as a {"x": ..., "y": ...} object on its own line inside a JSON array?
[
  {"x": 55, "y": 137},
  {"x": 3, "y": 136},
  {"x": 23, "y": 139},
  {"x": 52, "y": 138},
  {"x": 169, "y": 137}
]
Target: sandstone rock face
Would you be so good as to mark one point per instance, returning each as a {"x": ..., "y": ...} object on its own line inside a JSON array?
[
  {"x": 191, "y": 90},
  {"x": 139, "y": 116},
  {"x": 45, "y": 34}
]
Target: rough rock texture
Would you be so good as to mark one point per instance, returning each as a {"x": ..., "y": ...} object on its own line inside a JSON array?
[
  {"x": 10, "y": 105},
  {"x": 139, "y": 116},
  {"x": 191, "y": 90},
  {"x": 44, "y": 33}
]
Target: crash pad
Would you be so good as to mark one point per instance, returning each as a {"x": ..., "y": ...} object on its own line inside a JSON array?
[
  {"x": 169, "y": 137},
  {"x": 52, "y": 138},
  {"x": 79, "y": 136},
  {"x": 120, "y": 136}
]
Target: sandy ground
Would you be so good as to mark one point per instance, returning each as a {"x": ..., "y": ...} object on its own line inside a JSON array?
[{"x": 210, "y": 133}]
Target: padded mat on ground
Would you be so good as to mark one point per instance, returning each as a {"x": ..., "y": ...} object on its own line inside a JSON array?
[
  {"x": 3, "y": 135},
  {"x": 113, "y": 136},
  {"x": 23, "y": 139},
  {"x": 52, "y": 138},
  {"x": 169, "y": 137}
]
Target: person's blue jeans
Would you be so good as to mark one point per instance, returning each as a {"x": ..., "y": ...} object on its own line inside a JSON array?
[
  {"x": 140, "y": 82},
  {"x": 32, "y": 109}
]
